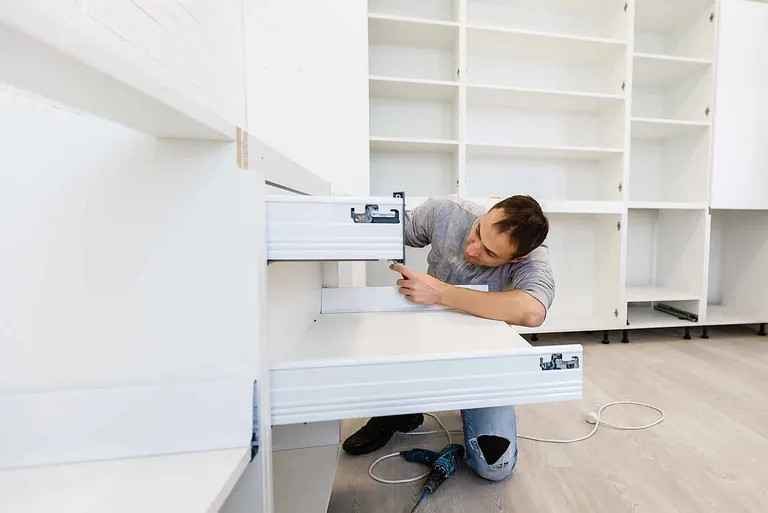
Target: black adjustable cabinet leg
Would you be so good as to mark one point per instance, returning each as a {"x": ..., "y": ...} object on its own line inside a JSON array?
[
  {"x": 687, "y": 335},
  {"x": 625, "y": 336},
  {"x": 606, "y": 340},
  {"x": 534, "y": 338},
  {"x": 705, "y": 332},
  {"x": 762, "y": 330}
]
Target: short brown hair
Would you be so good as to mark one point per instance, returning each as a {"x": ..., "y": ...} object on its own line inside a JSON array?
[{"x": 524, "y": 222}]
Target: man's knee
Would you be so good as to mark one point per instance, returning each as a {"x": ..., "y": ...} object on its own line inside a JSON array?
[{"x": 492, "y": 457}]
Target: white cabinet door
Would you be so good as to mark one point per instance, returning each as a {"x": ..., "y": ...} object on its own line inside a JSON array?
[{"x": 740, "y": 173}]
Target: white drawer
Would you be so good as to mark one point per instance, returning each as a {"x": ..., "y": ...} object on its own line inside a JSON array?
[{"x": 367, "y": 364}]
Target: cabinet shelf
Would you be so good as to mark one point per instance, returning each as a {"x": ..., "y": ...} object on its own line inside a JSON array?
[
  {"x": 548, "y": 206},
  {"x": 439, "y": 11},
  {"x": 655, "y": 128},
  {"x": 660, "y": 70},
  {"x": 411, "y": 89},
  {"x": 550, "y": 99},
  {"x": 581, "y": 207},
  {"x": 565, "y": 206},
  {"x": 391, "y": 30},
  {"x": 405, "y": 144},
  {"x": 569, "y": 322},
  {"x": 542, "y": 152},
  {"x": 667, "y": 205},
  {"x": 552, "y": 45},
  {"x": 648, "y": 294}
]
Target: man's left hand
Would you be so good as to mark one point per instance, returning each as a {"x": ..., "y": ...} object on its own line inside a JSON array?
[{"x": 418, "y": 287}]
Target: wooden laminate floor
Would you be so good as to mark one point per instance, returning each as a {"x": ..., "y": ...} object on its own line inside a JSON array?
[{"x": 711, "y": 453}]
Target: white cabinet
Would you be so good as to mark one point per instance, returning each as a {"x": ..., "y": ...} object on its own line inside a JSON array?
[{"x": 603, "y": 111}]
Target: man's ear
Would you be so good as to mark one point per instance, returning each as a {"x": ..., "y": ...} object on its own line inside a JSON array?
[{"x": 518, "y": 259}]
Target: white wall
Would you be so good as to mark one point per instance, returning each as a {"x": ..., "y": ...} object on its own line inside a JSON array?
[{"x": 307, "y": 69}]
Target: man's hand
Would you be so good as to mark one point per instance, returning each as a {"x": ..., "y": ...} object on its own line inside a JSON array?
[{"x": 418, "y": 287}]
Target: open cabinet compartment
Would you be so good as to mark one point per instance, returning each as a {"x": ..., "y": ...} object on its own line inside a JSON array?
[
  {"x": 669, "y": 163},
  {"x": 407, "y": 48},
  {"x": 403, "y": 112},
  {"x": 585, "y": 18},
  {"x": 673, "y": 90},
  {"x": 680, "y": 28},
  {"x": 419, "y": 174},
  {"x": 738, "y": 267},
  {"x": 666, "y": 256},
  {"x": 538, "y": 61},
  {"x": 559, "y": 147},
  {"x": 433, "y": 10},
  {"x": 546, "y": 177},
  {"x": 585, "y": 252},
  {"x": 542, "y": 122}
]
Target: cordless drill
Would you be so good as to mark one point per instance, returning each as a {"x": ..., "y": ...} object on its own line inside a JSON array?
[{"x": 443, "y": 466}]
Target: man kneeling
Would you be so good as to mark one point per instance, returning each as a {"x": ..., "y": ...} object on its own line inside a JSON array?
[{"x": 503, "y": 249}]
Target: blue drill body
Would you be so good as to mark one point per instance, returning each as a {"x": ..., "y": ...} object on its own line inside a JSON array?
[{"x": 443, "y": 466}]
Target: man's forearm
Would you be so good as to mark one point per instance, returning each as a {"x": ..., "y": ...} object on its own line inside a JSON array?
[{"x": 513, "y": 306}]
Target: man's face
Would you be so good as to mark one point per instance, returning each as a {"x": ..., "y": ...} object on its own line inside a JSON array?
[{"x": 486, "y": 246}]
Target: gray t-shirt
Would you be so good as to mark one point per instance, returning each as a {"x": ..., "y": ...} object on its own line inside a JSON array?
[{"x": 445, "y": 223}]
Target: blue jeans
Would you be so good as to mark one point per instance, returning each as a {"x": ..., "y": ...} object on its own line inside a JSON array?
[{"x": 491, "y": 434}]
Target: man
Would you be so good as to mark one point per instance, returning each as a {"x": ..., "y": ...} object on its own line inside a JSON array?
[{"x": 501, "y": 248}]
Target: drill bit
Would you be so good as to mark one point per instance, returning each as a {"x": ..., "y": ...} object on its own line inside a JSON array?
[{"x": 423, "y": 495}]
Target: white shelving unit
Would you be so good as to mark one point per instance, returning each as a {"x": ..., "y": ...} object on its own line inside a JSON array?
[{"x": 601, "y": 110}]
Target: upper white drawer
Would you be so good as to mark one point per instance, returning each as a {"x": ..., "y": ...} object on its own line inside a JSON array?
[{"x": 335, "y": 228}]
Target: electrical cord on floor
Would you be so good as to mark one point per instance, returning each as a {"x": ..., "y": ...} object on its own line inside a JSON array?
[
  {"x": 592, "y": 418},
  {"x": 395, "y": 454}
]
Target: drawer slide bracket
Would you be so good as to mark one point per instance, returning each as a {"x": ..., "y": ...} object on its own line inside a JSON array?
[{"x": 556, "y": 362}]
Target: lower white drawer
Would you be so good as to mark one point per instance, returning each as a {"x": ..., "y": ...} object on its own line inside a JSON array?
[{"x": 385, "y": 364}]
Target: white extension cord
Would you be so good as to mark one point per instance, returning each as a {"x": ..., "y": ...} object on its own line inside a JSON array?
[{"x": 592, "y": 418}]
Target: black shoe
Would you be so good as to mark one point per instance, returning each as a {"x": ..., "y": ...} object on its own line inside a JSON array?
[{"x": 378, "y": 431}]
